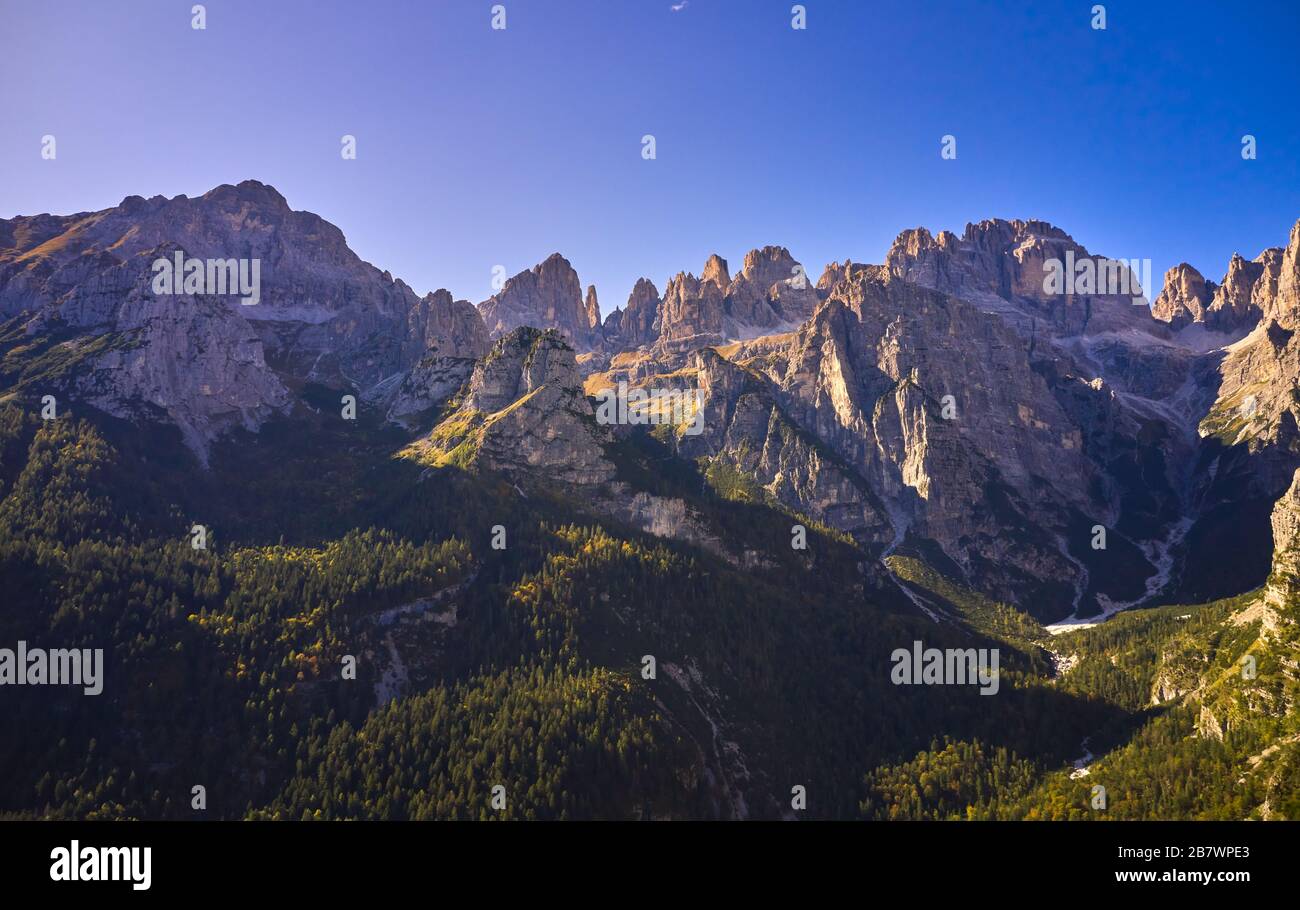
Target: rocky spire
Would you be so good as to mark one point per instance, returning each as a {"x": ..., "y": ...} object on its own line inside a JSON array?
[
  {"x": 593, "y": 308},
  {"x": 450, "y": 328},
  {"x": 1185, "y": 297},
  {"x": 548, "y": 296},
  {"x": 715, "y": 270},
  {"x": 1232, "y": 304},
  {"x": 640, "y": 320},
  {"x": 1286, "y": 307}
]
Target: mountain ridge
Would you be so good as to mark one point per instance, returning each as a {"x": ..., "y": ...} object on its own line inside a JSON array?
[{"x": 946, "y": 398}]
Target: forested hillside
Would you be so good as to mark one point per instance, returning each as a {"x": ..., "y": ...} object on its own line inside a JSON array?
[{"x": 524, "y": 666}]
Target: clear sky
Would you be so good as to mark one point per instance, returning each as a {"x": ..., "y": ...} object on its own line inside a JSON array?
[{"x": 478, "y": 147}]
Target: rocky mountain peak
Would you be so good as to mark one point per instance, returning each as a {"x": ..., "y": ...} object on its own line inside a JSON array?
[
  {"x": 321, "y": 313},
  {"x": 644, "y": 294},
  {"x": 715, "y": 270},
  {"x": 692, "y": 312},
  {"x": 638, "y": 324},
  {"x": 524, "y": 415},
  {"x": 252, "y": 192},
  {"x": 1286, "y": 307},
  {"x": 519, "y": 363},
  {"x": 547, "y": 296},
  {"x": 593, "y": 307},
  {"x": 764, "y": 268},
  {"x": 450, "y": 327},
  {"x": 1185, "y": 297},
  {"x": 833, "y": 274},
  {"x": 1233, "y": 304},
  {"x": 770, "y": 294},
  {"x": 1019, "y": 268}
]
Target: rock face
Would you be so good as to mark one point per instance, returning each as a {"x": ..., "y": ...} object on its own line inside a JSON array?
[
  {"x": 1010, "y": 266},
  {"x": 593, "y": 310},
  {"x": 1233, "y": 304},
  {"x": 963, "y": 400},
  {"x": 549, "y": 296},
  {"x": 899, "y": 413},
  {"x": 1264, "y": 295},
  {"x": 1285, "y": 307},
  {"x": 1074, "y": 409},
  {"x": 746, "y": 428},
  {"x": 772, "y": 288},
  {"x": 450, "y": 328},
  {"x": 1284, "y": 579},
  {"x": 716, "y": 271},
  {"x": 638, "y": 324},
  {"x": 524, "y": 415},
  {"x": 692, "y": 314},
  {"x": 832, "y": 275},
  {"x": 426, "y": 385},
  {"x": 1185, "y": 298},
  {"x": 206, "y": 362},
  {"x": 1254, "y": 382},
  {"x": 191, "y": 358},
  {"x": 770, "y": 294},
  {"x": 1252, "y": 292}
]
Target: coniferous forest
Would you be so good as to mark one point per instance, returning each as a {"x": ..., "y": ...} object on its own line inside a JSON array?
[{"x": 522, "y": 667}]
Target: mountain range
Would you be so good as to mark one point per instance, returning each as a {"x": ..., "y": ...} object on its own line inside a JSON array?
[{"x": 1107, "y": 489}]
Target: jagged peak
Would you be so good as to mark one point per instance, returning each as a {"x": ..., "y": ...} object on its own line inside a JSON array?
[
  {"x": 246, "y": 191},
  {"x": 770, "y": 253},
  {"x": 593, "y": 307},
  {"x": 555, "y": 261},
  {"x": 1182, "y": 269},
  {"x": 715, "y": 270},
  {"x": 1016, "y": 228},
  {"x": 440, "y": 297},
  {"x": 643, "y": 286},
  {"x": 763, "y": 259}
]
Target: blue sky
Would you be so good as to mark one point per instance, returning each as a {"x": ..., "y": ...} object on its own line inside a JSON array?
[{"x": 478, "y": 147}]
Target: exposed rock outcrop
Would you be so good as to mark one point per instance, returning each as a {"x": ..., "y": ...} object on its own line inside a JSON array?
[
  {"x": 548, "y": 296},
  {"x": 1284, "y": 579},
  {"x": 770, "y": 294},
  {"x": 638, "y": 324},
  {"x": 426, "y": 386},
  {"x": 1285, "y": 307},
  {"x": 897, "y": 412},
  {"x": 206, "y": 361},
  {"x": 449, "y": 328},
  {"x": 1030, "y": 271},
  {"x": 692, "y": 313},
  {"x": 1185, "y": 297},
  {"x": 593, "y": 310},
  {"x": 1233, "y": 304},
  {"x": 1255, "y": 381},
  {"x": 524, "y": 415},
  {"x": 746, "y": 429},
  {"x": 959, "y": 399}
]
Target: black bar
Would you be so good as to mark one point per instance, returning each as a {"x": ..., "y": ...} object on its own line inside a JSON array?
[{"x": 305, "y": 860}]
